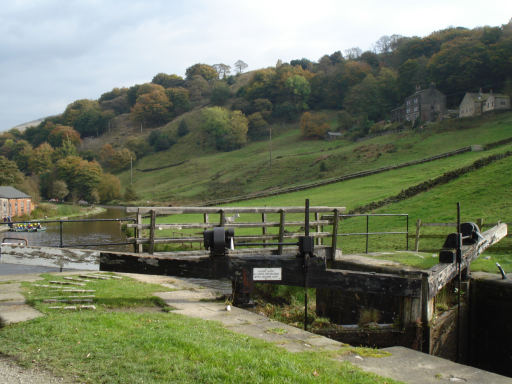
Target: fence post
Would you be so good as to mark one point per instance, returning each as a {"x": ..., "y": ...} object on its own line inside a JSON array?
[
  {"x": 281, "y": 231},
  {"x": 138, "y": 233},
  {"x": 263, "y": 228},
  {"x": 417, "y": 242},
  {"x": 206, "y": 220},
  {"x": 222, "y": 218},
  {"x": 152, "y": 232},
  {"x": 480, "y": 223},
  {"x": 334, "y": 241},
  {"x": 318, "y": 229}
]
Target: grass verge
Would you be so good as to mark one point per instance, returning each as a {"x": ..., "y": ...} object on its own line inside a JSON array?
[{"x": 116, "y": 344}]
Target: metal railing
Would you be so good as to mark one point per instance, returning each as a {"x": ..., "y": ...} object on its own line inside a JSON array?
[
  {"x": 368, "y": 233},
  {"x": 61, "y": 225}
]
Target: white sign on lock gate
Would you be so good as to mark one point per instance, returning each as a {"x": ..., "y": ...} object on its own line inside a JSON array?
[{"x": 267, "y": 274}]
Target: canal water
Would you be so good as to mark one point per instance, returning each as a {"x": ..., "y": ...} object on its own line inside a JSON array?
[{"x": 81, "y": 234}]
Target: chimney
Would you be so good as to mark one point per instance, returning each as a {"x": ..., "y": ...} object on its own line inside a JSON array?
[
  {"x": 480, "y": 92},
  {"x": 418, "y": 87},
  {"x": 490, "y": 92}
]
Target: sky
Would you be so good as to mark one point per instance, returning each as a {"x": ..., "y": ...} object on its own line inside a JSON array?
[{"x": 53, "y": 52}]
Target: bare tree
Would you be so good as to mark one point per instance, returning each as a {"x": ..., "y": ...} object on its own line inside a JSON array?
[
  {"x": 353, "y": 53},
  {"x": 240, "y": 65},
  {"x": 222, "y": 69}
]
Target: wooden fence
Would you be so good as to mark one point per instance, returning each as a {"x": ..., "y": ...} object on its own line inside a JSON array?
[
  {"x": 228, "y": 216},
  {"x": 453, "y": 228}
]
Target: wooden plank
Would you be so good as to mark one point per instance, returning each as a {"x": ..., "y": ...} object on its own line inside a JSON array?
[
  {"x": 282, "y": 224},
  {"x": 264, "y": 224},
  {"x": 229, "y": 210},
  {"x": 334, "y": 240},
  {"x": 441, "y": 274},
  {"x": 230, "y": 225},
  {"x": 196, "y": 239},
  {"x": 152, "y": 232},
  {"x": 138, "y": 233}
]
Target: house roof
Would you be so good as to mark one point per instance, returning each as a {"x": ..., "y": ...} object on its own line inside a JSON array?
[
  {"x": 478, "y": 96},
  {"x": 12, "y": 193}
]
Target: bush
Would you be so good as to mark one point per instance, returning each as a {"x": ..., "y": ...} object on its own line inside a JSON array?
[
  {"x": 182, "y": 128},
  {"x": 160, "y": 141}
]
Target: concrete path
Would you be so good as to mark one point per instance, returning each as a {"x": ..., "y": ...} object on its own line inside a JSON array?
[
  {"x": 198, "y": 298},
  {"x": 190, "y": 298}
]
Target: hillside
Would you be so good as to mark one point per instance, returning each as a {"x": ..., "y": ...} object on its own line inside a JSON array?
[
  {"x": 208, "y": 175},
  {"x": 206, "y": 136}
]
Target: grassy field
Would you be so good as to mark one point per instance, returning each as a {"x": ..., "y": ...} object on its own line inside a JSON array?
[
  {"x": 210, "y": 175},
  {"x": 435, "y": 205},
  {"x": 128, "y": 339}
]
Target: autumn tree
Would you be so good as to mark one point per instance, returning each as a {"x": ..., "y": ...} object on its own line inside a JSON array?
[
  {"x": 109, "y": 188},
  {"x": 116, "y": 100},
  {"x": 81, "y": 176},
  {"x": 65, "y": 150},
  {"x": 241, "y": 65},
  {"x": 62, "y": 133},
  {"x": 300, "y": 89},
  {"x": 41, "y": 160},
  {"x": 227, "y": 129},
  {"x": 59, "y": 190},
  {"x": 86, "y": 117},
  {"x": 152, "y": 107},
  {"x": 106, "y": 153},
  {"x": 198, "y": 87},
  {"x": 10, "y": 174},
  {"x": 168, "y": 81},
  {"x": 22, "y": 154},
  {"x": 313, "y": 126},
  {"x": 207, "y": 72},
  {"x": 121, "y": 159},
  {"x": 180, "y": 100}
]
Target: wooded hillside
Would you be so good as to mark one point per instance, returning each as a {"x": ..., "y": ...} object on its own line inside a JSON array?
[{"x": 219, "y": 108}]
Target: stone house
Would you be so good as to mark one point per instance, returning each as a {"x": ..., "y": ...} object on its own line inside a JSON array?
[
  {"x": 14, "y": 203},
  {"x": 496, "y": 102},
  {"x": 424, "y": 105},
  {"x": 474, "y": 104}
]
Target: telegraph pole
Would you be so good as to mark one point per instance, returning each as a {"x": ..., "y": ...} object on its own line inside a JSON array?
[{"x": 270, "y": 145}]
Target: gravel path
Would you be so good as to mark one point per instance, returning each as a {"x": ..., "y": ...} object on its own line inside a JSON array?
[{"x": 11, "y": 373}]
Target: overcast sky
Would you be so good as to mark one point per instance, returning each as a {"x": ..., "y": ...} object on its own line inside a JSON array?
[{"x": 53, "y": 52}]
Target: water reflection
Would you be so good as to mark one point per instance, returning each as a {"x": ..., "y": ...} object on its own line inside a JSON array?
[{"x": 81, "y": 234}]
